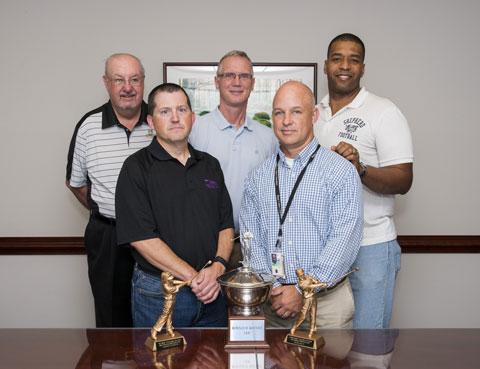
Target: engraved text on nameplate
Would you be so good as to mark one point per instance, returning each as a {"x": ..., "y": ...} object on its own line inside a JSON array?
[{"x": 247, "y": 330}]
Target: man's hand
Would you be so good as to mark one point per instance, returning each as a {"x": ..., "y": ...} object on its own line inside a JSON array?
[
  {"x": 286, "y": 301},
  {"x": 205, "y": 285},
  {"x": 348, "y": 152}
]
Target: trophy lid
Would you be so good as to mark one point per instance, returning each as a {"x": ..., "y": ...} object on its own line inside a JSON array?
[{"x": 245, "y": 277}]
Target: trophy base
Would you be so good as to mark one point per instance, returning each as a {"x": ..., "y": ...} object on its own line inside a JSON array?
[
  {"x": 165, "y": 341},
  {"x": 246, "y": 332},
  {"x": 302, "y": 339}
]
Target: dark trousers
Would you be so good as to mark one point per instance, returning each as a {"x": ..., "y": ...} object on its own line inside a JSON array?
[{"x": 110, "y": 270}]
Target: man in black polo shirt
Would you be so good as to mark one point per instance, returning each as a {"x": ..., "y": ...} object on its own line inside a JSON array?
[
  {"x": 102, "y": 140},
  {"x": 174, "y": 210}
]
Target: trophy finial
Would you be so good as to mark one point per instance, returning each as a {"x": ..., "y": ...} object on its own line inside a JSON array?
[{"x": 245, "y": 242}]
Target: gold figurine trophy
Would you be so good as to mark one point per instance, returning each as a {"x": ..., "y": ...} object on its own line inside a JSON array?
[
  {"x": 310, "y": 340},
  {"x": 170, "y": 339},
  {"x": 308, "y": 284}
]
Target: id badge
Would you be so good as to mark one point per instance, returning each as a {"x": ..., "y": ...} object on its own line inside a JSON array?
[{"x": 278, "y": 266}]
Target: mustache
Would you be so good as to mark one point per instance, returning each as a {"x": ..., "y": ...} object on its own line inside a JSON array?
[{"x": 128, "y": 94}]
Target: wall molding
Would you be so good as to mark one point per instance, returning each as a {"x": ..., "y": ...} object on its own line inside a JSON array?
[
  {"x": 41, "y": 246},
  {"x": 74, "y": 245}
]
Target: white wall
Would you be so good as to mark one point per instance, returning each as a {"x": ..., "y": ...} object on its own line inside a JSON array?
[
  {"x": 45, "y": 291},
  {"x": 422, "y": 54}
]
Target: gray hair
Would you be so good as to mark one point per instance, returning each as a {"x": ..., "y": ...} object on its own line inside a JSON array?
[{"x": 239, "y": 53}]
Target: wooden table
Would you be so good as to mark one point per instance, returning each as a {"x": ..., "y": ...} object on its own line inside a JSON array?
[{"x": 124, "y": 349}]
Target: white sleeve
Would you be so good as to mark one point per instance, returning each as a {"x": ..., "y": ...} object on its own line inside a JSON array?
[
  {"x": 78, "y": 176},
  {"x": 393, "y": 138}
]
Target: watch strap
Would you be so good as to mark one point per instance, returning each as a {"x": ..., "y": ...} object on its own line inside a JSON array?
[{"x": 220, "y": 260}]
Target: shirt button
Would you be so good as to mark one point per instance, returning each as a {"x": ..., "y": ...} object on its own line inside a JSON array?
[
  {"x": 290, "y": 243},
  {"x": 290, "y": 219}
]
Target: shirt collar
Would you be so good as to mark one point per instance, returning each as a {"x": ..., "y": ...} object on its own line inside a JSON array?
[
  {"x": 355, "y": 103},
  {"x": 160, "y": 153},
  {"x": 109, "y": 118},
  {"x": 222, "y": 123},
  {"x": 304, "y": 155}
]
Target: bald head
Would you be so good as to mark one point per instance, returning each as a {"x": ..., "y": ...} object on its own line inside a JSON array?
[
  {"x": 299, "y": 89},
  {"x": 293, "y": 116},
  {"x": 122, "y": 58}
]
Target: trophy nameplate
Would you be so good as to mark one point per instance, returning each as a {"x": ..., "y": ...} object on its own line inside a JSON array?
[
  {"x": 246, "y": 332},
  {"x": 302, "y": 339},
  {"x": 165, "y": 341}
]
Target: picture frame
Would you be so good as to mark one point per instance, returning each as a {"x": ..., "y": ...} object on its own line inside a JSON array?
[{"x": 198, "y": 80}]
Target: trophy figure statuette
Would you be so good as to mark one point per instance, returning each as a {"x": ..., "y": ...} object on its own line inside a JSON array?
[
  {"x": 308, "y": 285},
  {"x": 170, "y": 339},
  {"x": 171, "y": 286}
]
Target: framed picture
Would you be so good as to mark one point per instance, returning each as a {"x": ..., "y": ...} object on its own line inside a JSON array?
[{"x": 198, "y": 80}]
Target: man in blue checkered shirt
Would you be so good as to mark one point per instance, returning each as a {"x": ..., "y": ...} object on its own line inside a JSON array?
[{"x": 318, "y": 228}]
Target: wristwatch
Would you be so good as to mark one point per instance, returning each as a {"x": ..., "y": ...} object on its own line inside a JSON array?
[
  {"x": 363, "y": 170},
  {"x": 220, "y": 260}
]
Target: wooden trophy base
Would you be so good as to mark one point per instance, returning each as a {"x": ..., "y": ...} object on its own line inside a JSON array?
[
  {"x": 245, "y": 332},
  {"x": 165, "y": 341},
  {"x": 302, "y": 339}
]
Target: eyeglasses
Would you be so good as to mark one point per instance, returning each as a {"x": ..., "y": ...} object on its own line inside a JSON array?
[
  {"x": 230, "y": 76},
  {"x": 134, "y": 81}
]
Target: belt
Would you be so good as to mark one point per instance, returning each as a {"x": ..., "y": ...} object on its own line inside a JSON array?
[
  {"x": 96, "y": 215},
  {"x": 336, "y": 285}
]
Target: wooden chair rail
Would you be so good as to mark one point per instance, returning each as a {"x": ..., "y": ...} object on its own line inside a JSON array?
[{"x": 74, "y": 245}]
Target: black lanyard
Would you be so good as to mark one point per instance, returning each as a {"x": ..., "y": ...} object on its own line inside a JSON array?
[{"x": 292, "y": 194}]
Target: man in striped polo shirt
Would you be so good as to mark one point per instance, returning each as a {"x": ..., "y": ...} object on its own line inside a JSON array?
[{"x": 101, "y": 142}]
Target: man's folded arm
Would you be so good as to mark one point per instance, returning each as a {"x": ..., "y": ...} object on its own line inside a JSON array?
[
  {"x": 80, "y": 193},
  {"x": 160, "y": 255}
]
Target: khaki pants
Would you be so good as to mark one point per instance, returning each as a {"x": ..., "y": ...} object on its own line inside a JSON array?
[{"x": 334, "y": 310}]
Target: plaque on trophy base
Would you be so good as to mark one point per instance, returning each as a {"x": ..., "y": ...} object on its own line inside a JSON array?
[
  {"x": 165, "y": 341},
  {"x": 303, "y": 340},
  {"x": 246, "y": 332}
]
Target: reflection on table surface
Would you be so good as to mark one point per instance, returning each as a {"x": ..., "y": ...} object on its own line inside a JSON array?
[{"x": 124, "y": 349}]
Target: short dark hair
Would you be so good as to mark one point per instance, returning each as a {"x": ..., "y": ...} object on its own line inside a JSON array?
[
  {"x": 165, "y": 87},
  {"x": 347, "y": 37}
]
